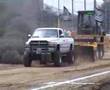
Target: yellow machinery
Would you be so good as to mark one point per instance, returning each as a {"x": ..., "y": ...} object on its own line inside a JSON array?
[{"x": 90, "y": 35}]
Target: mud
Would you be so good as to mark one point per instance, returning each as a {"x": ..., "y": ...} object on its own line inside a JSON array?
[{"x": 17, "y": 77}]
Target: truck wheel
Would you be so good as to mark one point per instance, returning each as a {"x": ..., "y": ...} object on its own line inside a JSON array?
[
  {"x": 70, "y": 57},
  {"x": 58, "y": 59},
  {"x": 27, "y": 61}
]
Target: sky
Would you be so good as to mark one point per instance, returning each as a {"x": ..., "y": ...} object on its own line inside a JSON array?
[{"x": 78, "y": 4}]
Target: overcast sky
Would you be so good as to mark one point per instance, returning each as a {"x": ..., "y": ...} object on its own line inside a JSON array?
[{"x": 78, "y": 4}]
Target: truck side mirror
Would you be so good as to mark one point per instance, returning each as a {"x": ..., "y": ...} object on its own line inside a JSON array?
[{"x": 62, "y": 36}]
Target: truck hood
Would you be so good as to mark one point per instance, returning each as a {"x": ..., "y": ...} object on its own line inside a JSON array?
[{"x": 42, "y": 39}]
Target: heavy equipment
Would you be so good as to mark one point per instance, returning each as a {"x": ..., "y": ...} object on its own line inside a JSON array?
[{"x": 90, "y": 35}]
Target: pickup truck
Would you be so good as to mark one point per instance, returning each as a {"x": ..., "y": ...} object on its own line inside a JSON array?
[{"x": 49, "y": 45}]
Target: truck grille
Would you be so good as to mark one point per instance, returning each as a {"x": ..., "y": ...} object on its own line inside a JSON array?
[{"x": 42, "y": 45}]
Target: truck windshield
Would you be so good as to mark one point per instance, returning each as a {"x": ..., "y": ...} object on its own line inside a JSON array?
[
  {"x": 45, "y": 33},
  {"x": 89, "y": 20}
]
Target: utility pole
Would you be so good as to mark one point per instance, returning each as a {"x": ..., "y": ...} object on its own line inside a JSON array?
[
  {"x": 58, "y": 13},
  {"x": 95, "y": 9},
  {"x": 95, "y": 4},
  {"x": 85, "y": 5},
  {"x": 73, "y": 13}
]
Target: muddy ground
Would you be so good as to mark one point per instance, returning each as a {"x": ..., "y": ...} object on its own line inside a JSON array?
[{"x": 17, "y": 77}]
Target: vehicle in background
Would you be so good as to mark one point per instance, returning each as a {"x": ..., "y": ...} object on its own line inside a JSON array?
[{"x": 90, "y": 35}]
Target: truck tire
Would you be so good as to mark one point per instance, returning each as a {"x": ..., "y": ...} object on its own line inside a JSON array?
[
  {"x": 71, "y": 55},
  {"x": 27, "y": 60},
  {"x": 70, "y": 58},
  {"x": 58, "y": 59}
]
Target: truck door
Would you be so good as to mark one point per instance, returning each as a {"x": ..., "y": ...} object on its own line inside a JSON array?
[
  {"x": 64, "y": 44},
  {"x": 68, "y": 41}
]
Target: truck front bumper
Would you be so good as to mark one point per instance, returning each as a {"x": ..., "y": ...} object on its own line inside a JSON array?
[{"x": 42, "y": 53}]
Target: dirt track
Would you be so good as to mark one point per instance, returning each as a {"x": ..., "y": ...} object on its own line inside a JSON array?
[{"x": 17, "y": 77}]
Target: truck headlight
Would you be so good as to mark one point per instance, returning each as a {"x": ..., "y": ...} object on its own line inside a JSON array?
[{"x": 27, "y": 45}]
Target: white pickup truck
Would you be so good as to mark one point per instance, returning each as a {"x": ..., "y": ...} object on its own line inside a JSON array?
[{"x": 49, "y": 45}]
